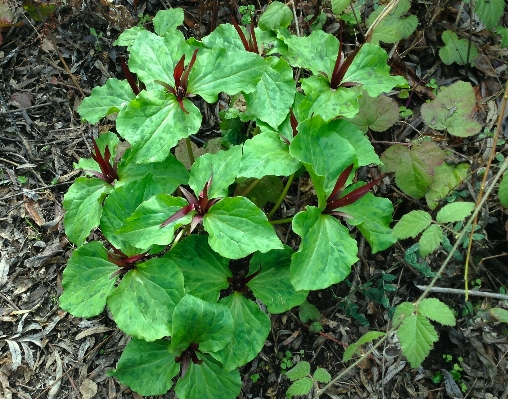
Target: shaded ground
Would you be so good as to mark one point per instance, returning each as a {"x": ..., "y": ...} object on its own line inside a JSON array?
[{"x": 48, "y": 67}]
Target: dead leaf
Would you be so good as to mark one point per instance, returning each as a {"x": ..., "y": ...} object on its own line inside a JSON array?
[
  {"x": 90, "y": 331},
  {"x": 31, "y": 206},
  {"x": 15, "y": 353},
  {"x": 22, "y": 98},
  {"x": 53, "y": 392},
  {"x": 88, "y": 389},
  {"x": 4, "y": 269}
]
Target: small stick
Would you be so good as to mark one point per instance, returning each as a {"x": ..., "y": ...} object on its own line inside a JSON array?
[{"x": 445, "y": 290}]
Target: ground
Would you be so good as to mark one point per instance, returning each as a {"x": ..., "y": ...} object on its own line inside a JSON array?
[{"x": 49, "y": 66}]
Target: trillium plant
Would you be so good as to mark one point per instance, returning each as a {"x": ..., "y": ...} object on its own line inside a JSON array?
[{"x": 167, "y": 233}]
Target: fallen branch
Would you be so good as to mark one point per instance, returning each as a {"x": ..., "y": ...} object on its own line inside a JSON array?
[{"x": 445, "y": 290}]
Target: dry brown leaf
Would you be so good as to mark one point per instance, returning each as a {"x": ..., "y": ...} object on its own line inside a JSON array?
[
  {"x": 22, "y": 98},
  {"x": 31, "y": 206},
  {"x": 88, "y": 389}
]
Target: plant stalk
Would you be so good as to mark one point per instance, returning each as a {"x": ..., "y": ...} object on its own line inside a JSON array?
[
  {"x": 189, "y": 150},
  {"x": 250, "y": 187},
  {"x": 282, "y": 196},
  {"x": 281, "y": 221}
]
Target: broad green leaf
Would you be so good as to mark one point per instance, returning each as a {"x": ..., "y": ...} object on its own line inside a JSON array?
[
  {"x": 146, "y": 367},
  {"x": 128, "y": 36},
  {"x": 353, "y": 348},
  {"x": 503, "y": 32},
  {"x": 143, "y": 303},
  {"x": 204, "y": 270},
  {"x": 274, "y": 93},
  {"x": 372, "y": 215},
  {"x": 167, "y": 20},
  {"x": 489, "y": 12},
  {"x": 430, "y": 239},
  {"x": 251, "y": 328},
  {"x": 503, "y": 190},
  {"x": 338, "y": 6},
  {"x": 266, "y": 154},
  {"x": 218, "y": 71},
  {"x": 272, "y": 284},
  {"x": 446, "y": 178},
  {"x": 86, "y": 281},
  {"x": 411, "y": 224},
  {"x": 105, "y": 100},
  {"x": 82, "y": 203},
  {"x": 196, "y": 321},
  {"x": 269, "y": 189},
  {"x": 321, "y": 145},
  {"x": 142, "y": 229},
  {"x": 402, "y": 312},
  {"x": 326, "y": 252},
  {"x": 308, "y": 312},
  {"x": 435, "y": 310},
  {"x": 238, "y": 228},
  {"x": 413, "y": 168},
  {"x": 396, "y": 26},
  {"x": 500, "y": 314},
  {"x": 300, "y": 387},
  {"x": 105, "y": 139},
  {"x": 417, "y": 337},
  {"x": 208, "y": 381},
  {"x": 224, "y": 36},
  {"x": 376, "y": 113},
  {"x": 456, "y": 50},
  {"x": 277, "y": 15},
  {"x": 302, "y": 369},
  {"x": 454, "y": 212},
  {"x": 365, "y": 152},
  {"x": 452, "y": 109},
  {"x": 154, "y": 122},
  {"x": 222, "y": 167},
  {"x": 322, "y": 375}
]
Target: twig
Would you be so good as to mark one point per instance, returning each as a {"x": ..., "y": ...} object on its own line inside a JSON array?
[{"x": 457, "y": 291}]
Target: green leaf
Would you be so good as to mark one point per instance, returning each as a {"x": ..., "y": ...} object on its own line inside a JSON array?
[
  {"x": 238, "y": 228},
  {"x": 430, "y": 239},
  {"x": 277, "y": 15},
  {"x": 434, "y": 309},
  {"x": 208, "y": 381},
  {"x": 413, "y": 168},
  {"x": 86, "y": 281},
  {"x": 154, "y": 122},
  {"x": 402, "y": 312},
  {"x": 446, "y": 178},
  {"x": 146, "y": 367},
  {"x": 128, "y": 36},
  {"x": 456, "y": 50},
  {"x": 396, "y": 26},
  {"x": 272, "y": 284},
  {"x": 308, "y": 312},
  {"x": 372, "y": 215},
  {"x": 302, "y": 369},
  {"x": 269, "y": 189},
  {"x": 365, "y": 338},
  {"x": 416, "y": 337},
  {"x": 83, "y": 203},
  {"x": 143, "y": 303},
  {"x": 322, "y": 375},
  {"x": 251, "y": 328},
  {"x": 454, "y": 212},
  {"x": 105, "y": 100},
  {"x": 274, "y": 93},
  {"x": 500, "y": 314},
  {"x": 338, "y": 6},
  {"x": 411, "y": 224},
  {"x": 196, "y": 321},
  {"x": 489, "y": 12},
  {"x": 503, "y": 32},
  {"x": 222, "y": 167},
  {"x": 349, "y": 352},
  {"x": 167, "y": 20},
  {"x": 503, "y": 191},
  {"x": 300, "y": 387},
  {"x": 376, "y": 113},
  {"x": 266, "y": 154},
  {"x": 142, "y": 229},
  {"x": 105, "y": 139},
  {"x": 204, "y": 270},
  {"x": 224, "y": 36},
  {"x": 326, "y": 252},
  {"x": 452, "y": 109}
]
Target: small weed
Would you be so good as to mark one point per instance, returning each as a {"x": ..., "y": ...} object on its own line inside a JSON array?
[{"x": 255, "y": 377}]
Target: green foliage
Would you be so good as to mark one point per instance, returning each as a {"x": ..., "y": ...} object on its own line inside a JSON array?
[
  {"x": 489, "y": 12},
  {"x": 397, "y": 26},
  {"x": 364, "y": 339},
  {"x": 503, "y": 190},
  {"x": 302, "y": 380}
]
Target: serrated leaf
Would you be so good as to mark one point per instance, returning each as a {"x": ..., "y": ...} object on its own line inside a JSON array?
[
  {"x": 272, "y": 285},
  {"x": 411, "y": 224},
  {"x": 413, "y": 168},
  {"x": 430, "y": 239},
  {"x": 416, "y": 336},
  {"x": 489, "y": 12},
  {"x": 338, "y": 6},
  {"x": 208, "y": 381},
  {"x": 376, "y": 113},
  {"x": 205, "y": 271},
  {"x": 251, "y": 328},
  {"x": 196, "y": 321},
  {"x": 308, "y": 312},
  {"x": 396, "y": 26},
  {"x": 500, "y": 314},
  {"x": 457, "y": 50},
  {"x": 167, "y": 20},
  {"x": 503, "y": 191},
  {"x": 277, "y": 15},
  {"x": 147, "y": 367},
  {"x": 454, "y": 212},
  {"x": 452, "y": 109},
  {"x": 238, "y": 228},
  {"x": 105, "y": 100},
  {"x": 326, "y": 252},
  {"x": 82, "y": 203},
  {"x": 143, "y": 303},
  {"x": 222, "y": 167},
  {"x": 86, "y": 281},
  {"x": 266, "y": 154},
  {"x": 300, "y": 387},
  {"x": 142, "y": 229},
  {"x": 435, "y": 310},
  {"x": 446, "y": 178},
  {"x": 302, "y": 369},
  {"x": 403, "y": 311},
  {"x": 322, "y": 375}
]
